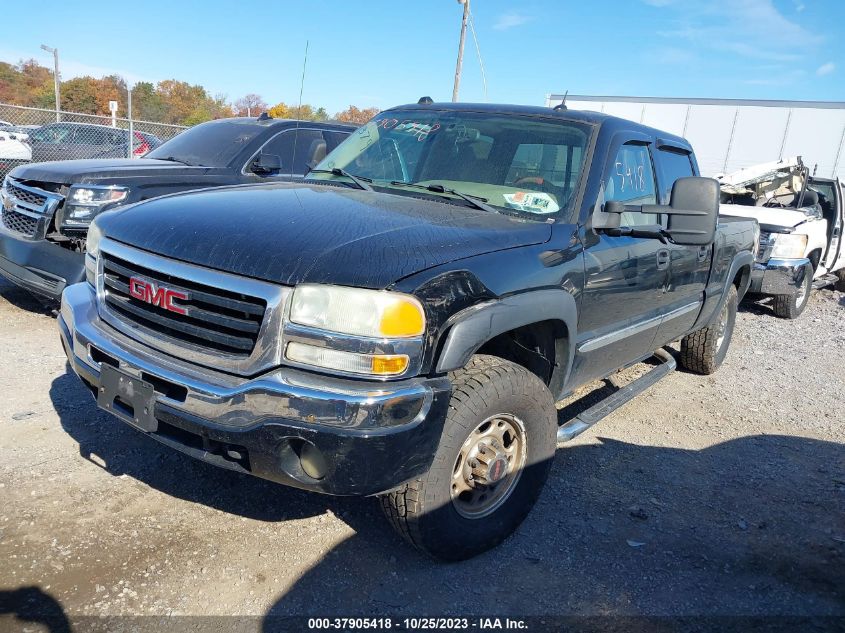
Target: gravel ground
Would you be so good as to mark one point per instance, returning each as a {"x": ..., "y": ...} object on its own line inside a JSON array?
[{"x": 710, "y": 495}]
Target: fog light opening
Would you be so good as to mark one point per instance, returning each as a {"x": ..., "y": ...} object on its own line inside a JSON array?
[
  {"x": 302, "y": 460},
  {"x": 312, "y": 461}
]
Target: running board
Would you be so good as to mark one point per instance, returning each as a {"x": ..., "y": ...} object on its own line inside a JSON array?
[
  {"x": 825, "y": 280},
  {"x": 601, "y": 410}
]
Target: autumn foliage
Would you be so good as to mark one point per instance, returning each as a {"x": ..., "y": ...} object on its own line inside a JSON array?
[{"x": 170, "y": 101}]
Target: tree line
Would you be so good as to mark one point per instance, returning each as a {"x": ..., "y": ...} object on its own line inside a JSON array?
[{"x": 27, "y": 83}]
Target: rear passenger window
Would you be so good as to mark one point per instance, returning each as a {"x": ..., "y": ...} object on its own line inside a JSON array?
[
  {"x": 673, "y": 165},
  {"x": 631, "y": 181}
]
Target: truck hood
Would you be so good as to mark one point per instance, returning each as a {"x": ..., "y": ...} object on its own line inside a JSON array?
[
  {"x": 294, "y": 233},
  {"x": 787, "y": 218},
  {"x": 65, "y": 172}
]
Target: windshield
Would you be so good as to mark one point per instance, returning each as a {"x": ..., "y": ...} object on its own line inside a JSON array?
[
  {"x": 525, "y": 164},
  {"x": 211, "y": 144},
  {"x": 53, "y": 134}
]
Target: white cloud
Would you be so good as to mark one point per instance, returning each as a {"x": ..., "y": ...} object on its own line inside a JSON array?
[
  {"x": 776, "y": 79},
  {"x": 510, "y": 20},
  {"x": 799, "y": 6},
  {"x": 745, "y": 31},
  {"x": 69, "y": 68},
  {"x": 825, "y": 69}
]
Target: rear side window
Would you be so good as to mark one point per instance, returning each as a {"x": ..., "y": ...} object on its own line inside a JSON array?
[
  {"x": 631, "y": 181},
  {"x": 673, "y": 165}
]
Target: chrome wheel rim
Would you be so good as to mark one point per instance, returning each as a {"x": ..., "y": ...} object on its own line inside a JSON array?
[
  {"x": 800, "y": 297},
  {"x": 488, "y": 466},
  {"x": 722, "y": 327}
]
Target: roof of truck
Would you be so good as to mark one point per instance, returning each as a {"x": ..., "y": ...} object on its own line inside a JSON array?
[{"x": 586, "y": 116}]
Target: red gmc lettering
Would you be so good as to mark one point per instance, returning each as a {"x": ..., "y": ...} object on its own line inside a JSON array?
[{"x": 148, "y": 292}]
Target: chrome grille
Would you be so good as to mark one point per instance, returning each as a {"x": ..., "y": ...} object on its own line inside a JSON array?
[
  {"x": 19, "y": 223},
  {"x": 215, "y": 320},
  {"x": 764, "y": 249},
  {"x": 26, "y": 195}
]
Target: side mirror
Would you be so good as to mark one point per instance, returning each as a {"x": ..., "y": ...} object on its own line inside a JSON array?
[
  {"x": 692, "y": 211},
  {"x": 266, "y": 164}
]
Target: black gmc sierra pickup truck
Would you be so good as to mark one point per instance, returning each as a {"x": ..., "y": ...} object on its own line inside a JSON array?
[
  {"x": 401, "y": 322},
  {"x": 45, "y": 208}
]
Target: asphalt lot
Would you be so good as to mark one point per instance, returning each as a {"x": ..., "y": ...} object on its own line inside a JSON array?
[{"x": 716, "y": 495}]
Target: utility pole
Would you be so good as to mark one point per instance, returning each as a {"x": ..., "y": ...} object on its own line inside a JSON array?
[
  {"x": 460, "y": 49},
  {"x": 55, "y": 52}
]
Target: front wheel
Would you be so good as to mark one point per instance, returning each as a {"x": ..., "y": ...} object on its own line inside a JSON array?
[
  {"x": 704, "y": 350},
  {"x": 840, "y": 280},
  {"x": 791, "y": 306},
  {"x": 494, "y": 456}
]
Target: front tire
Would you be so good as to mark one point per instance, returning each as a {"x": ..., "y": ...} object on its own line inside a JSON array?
[
  {"x": 704, "y": 351},
  {"x": 840, "y": 280},
  {"x": 494, "y": 457},
  {"x": 791, "y": 306}
]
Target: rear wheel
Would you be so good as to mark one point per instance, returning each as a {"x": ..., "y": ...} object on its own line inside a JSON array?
[
  {"x": 494, "y": 456},
  {"x": 704, "y": 351},
  {"x": 791, "y": 306}
]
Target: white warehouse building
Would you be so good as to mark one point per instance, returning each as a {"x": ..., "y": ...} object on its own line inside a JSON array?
[{"x": 731, "y": 134}]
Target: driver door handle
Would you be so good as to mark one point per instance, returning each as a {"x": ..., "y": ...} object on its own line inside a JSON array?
[{"x": 663, "y": 258}]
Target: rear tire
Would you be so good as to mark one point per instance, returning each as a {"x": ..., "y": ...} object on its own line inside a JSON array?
[
  {"x": 704, "y": 351},
  {"x": 791, "y": 306},
  {"x": 494, "y": 456}
]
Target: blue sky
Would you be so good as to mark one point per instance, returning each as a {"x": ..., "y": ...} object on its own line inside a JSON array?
[{"x": 380, "y": 53}]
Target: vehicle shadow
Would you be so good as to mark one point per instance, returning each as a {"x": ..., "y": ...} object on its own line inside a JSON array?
[
  {"x": 26, "y": 606},
  {"x": 757, "y": 305},
  {"x": 25, "y": 300},
  {"x": 753, "y": 526},
  {"x": 121, "y": 450}
]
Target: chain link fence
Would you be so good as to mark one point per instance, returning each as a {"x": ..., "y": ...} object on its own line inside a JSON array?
[{"x": 37, "y": 135}]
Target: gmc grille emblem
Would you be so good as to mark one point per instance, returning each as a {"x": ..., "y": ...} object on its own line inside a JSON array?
[{"x": 159, "y": 296}]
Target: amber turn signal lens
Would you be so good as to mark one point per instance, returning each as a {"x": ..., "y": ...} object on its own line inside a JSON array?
[
  {"x": 389, "y": 365},
  {"x": 402, "y": 317}
]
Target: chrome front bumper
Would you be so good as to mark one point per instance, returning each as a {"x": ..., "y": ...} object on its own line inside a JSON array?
[
  {"x": 779, "y": 276},
  {"x": 374, "y": 435}
]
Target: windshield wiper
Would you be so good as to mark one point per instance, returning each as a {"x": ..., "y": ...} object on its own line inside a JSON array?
[
  {"x": 361, "y": 181},
  {"x": 476, "y": 201},
  {"x": 173, "y": 159}
]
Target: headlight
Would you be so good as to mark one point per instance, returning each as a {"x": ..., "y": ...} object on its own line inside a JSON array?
[
  {"x": 373, "y": 313},
  {"x": 92, "y": 251},
  {"x": 788, "y": 246},
  {"x": 85, "y": 202},
  {"x": 393, "y": 323}
]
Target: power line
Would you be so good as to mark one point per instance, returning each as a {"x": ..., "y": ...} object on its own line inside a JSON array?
[{"x": 478, "y": 52}]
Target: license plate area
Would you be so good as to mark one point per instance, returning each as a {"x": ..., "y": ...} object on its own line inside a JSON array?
[{"x": 127, "y": 397}]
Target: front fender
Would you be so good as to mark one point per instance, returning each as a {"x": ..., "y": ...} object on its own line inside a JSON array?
[{"x": 469, "y": 329}]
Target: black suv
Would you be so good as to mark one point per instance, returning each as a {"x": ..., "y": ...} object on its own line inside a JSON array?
[{"x": 47, "y": 207}]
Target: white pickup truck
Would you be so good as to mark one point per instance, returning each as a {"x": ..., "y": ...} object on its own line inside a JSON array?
[{"x": 801, "y": 222}]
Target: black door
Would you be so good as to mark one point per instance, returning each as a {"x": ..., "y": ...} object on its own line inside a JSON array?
[
  {"x": 689, "y": 266},
  {"x": 622, "y": 302}
]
